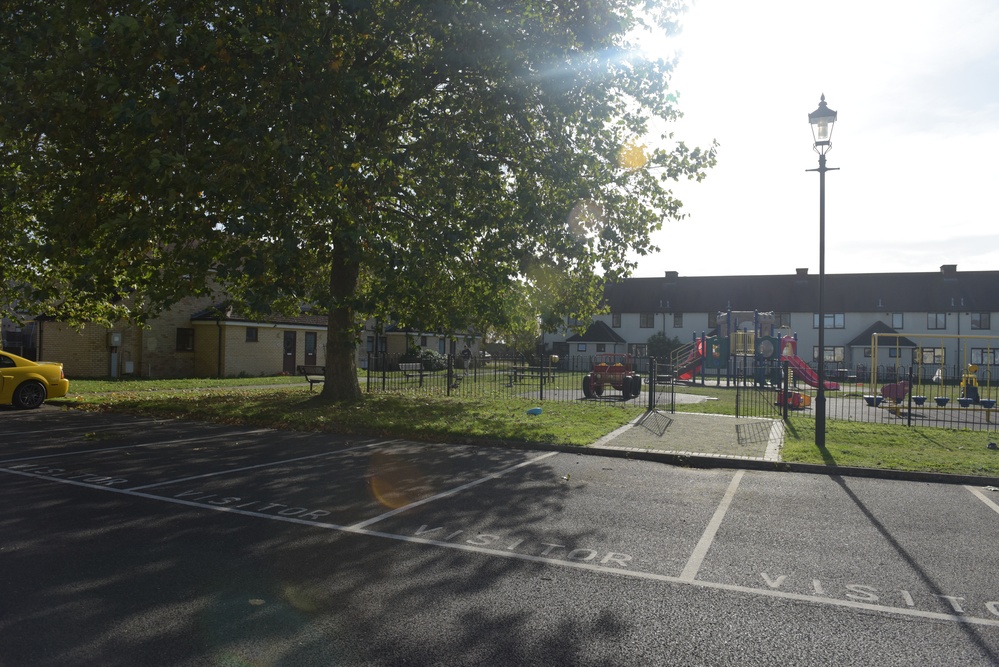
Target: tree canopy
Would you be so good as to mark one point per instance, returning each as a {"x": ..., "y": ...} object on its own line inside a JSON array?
[{"x": 439, "y": 162}]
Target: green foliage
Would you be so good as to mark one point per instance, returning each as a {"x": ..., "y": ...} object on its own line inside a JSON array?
[
  {"x": 429, "y": 160},
  {"x": 432, "y": 360},
  {"x": 661, "y": 345}
]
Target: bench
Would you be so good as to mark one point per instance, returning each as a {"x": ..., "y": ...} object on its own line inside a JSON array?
[
  {"x": 408, "y": 368},
  {"x": 518, "y": 373},
  {"x": 314, "y": 374}
]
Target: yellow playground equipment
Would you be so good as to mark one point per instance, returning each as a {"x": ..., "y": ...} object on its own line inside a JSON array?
[
  {"x": 978, "y": 355},
  {"x": 969, "y": 383}
]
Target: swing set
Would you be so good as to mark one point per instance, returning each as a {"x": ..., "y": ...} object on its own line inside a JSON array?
[{"x": 976, "y": 387}]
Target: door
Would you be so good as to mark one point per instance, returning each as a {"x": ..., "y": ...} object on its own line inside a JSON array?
[
  {"x": 289, "y": 352},
  {"x": 310, "y": 348}
]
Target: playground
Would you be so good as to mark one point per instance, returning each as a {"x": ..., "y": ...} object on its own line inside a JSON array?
[
  {"x": 748, "y": 345},
  {"x": 945, "y": 381}
]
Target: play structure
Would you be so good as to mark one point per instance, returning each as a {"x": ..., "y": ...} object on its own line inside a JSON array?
[
  {"x": 802, "y": 371},
  {"x": 748, "y": 343}
]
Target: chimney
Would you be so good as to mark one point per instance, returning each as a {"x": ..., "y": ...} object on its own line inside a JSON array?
[
  {"x": 672, "y": 277},
  {"x": 948, "y": 270},
  {"x": 802, "y": 272}
]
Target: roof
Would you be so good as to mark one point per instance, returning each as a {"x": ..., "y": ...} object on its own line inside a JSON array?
[
  {"x": 597, "y": 332},
  {"x": 940, "y": 291},
  {"x": 885, "y": 332},
  {"x": 224, "y": 312}
]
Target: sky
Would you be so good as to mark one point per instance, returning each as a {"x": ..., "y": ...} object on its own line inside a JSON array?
[{"x": 915, "y": 84}]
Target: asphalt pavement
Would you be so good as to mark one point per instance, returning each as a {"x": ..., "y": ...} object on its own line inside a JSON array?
[{"x": 131, "y": 541}]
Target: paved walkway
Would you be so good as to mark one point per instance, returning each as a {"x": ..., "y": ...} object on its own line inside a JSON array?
[{"x": 699, "y": 434}]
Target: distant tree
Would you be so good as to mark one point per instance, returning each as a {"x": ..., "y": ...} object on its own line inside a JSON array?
[
  {"x": 661, "y": 345},
  {"x": 369, "y": 157}
]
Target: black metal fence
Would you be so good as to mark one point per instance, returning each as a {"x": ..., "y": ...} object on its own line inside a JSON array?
[
  {"x": 542, "y": 379},
  {"x": 905, "y": 396},
  {"x": 942, "y": 397},
  {"x": 901, "y": 395}
]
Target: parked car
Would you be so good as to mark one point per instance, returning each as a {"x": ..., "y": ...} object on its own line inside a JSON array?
[{"x": 27, "y": 384}]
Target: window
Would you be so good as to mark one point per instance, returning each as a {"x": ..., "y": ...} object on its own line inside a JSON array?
[
  {"x": 782, "y": 320},
  {"x": 638, "y": 349},
  {"x": 677, "y": 320},
  {"x": 928, "y": 355},
  {"x": 371, "y": 341},
  {"x": 423, "y": 341},
  {"x": 616, "y": 320},
  {"x": 712, "y": 320},
  {"x": 601, "y": 347},
  {"x": 980, "y": 321},
  {"x": 936, "y": 320},
  {"x": 310, "y": 343},
  {"x": 251, "y": 334},
  {"x": 185, "y": 340},
  {"x": 647, "y": 320},
  {"x": 833, "y": 321},
  {"x": 896, "y": 321},
  {"x": 833, "y": 353},
  {"x": 580, "y": 347},
  {"x": 983, "y": 356}
]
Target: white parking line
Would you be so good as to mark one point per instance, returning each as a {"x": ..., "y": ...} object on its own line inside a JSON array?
[
  {"x": 701, "y": 550},
  {"x": 451, "y": 492},
  {"x": 634, "y": 574},
  {"x": 178, "y": 441},
  {"x": 985, "y": 499},
  {"x": 256, "y": 467},
  {"x": 684, "y": 579},
  {"x": 80, "y": 427}
]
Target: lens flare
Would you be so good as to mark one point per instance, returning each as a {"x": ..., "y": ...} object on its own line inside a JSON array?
[
  {"x": 632, "y": 156},
  {"x": 394, "y": 482}
]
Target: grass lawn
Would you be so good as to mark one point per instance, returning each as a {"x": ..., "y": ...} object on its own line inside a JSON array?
[
  {"x": 452, "y": 419},
  {"x": 285, "y": 403},
  {"x": 893, "y": 447}
]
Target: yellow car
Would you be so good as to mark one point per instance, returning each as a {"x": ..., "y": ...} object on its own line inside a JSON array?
[{"x": 27, "y": 383}]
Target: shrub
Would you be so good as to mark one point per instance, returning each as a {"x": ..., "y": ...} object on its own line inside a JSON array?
[{"x": 431, "y": 360}]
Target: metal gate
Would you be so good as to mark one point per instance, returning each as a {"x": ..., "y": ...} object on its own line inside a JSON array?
[
  {"x": 662, "y": 386},
  {"x": 760, "y": 388}
]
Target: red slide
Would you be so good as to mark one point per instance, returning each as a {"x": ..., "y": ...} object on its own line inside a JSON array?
[
  {"x": 807, "y": 375},
  {"x": 688, "y": 369}
]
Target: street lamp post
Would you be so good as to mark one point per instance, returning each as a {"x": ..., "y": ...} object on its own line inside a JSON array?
[{"x": 822, "y": 121}]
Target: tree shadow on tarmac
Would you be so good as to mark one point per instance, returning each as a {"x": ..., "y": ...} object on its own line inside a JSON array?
[
  {"x": 92, "y": 577},
  {"x": 972, "y": 632}
]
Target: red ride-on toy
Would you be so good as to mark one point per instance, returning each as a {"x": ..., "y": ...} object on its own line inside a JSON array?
[{"x": 614, "y": 370}]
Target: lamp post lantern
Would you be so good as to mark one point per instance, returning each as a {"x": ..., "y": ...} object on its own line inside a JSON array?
[{"x": 822, "y": 121}]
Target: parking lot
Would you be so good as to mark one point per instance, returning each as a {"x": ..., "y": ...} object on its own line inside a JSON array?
[{"x": 128, "y": 538}]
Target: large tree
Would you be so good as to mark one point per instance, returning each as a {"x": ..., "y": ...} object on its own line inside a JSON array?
[{"x": 428, "y": 160}]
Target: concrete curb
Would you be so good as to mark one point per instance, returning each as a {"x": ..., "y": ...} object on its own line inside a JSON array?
[{"x": 692, "y": 460}]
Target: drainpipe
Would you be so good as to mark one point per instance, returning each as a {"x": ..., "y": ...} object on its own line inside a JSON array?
[{"x": 218, "y": 372}]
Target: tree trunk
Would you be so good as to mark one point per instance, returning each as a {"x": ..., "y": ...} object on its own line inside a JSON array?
[{"x": 341, "y": 336}]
